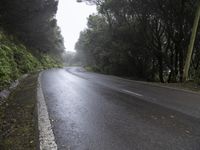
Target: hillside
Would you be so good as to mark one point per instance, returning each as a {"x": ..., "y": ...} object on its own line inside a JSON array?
[
  {"x": 29, "y": 37},
  {"x": 16, "y": 59}
]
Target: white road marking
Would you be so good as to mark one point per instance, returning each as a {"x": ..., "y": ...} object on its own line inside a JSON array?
[
  {"x": 132, "y": 93},
  {"x": 46, "y": 136}
]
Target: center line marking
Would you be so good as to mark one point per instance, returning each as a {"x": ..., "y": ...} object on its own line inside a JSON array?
[{"x": 132, "y": 93}]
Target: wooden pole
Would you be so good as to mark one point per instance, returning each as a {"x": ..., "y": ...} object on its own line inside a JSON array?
[{"x": 192, "y": 41}]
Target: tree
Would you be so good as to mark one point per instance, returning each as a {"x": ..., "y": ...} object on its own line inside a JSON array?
[
  {"x": 34, "y": 23},
  {"x": 141, "y": 38}
]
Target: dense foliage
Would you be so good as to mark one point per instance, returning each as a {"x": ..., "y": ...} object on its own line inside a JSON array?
[
  {"x": 15, "y": 60},
  {"x": 147, "y": 39},
  {"x": 35, "y": 37},
  {"x": 33, "y": 22}
]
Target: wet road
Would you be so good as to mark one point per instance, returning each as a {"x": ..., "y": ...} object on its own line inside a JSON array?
[{"x": 90, "y": 111}]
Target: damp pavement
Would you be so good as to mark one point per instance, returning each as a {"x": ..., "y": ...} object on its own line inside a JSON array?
[{"x": 90, "y": 111}]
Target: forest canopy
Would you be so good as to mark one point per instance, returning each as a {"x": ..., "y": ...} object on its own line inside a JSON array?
[
  {"x": 147, "y": 39},
  {"x": 33, "y": 22}
]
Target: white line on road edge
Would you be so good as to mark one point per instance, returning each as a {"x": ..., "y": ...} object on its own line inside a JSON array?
[
  {"x": 46, "y": 136},
  {"x": 132, "y": 93}
]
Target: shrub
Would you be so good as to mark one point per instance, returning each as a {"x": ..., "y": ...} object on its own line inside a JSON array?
[{"x": 15, "y": 60}]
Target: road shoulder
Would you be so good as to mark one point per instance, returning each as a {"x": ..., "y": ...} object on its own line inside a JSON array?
[
  {"x": 18, "y": 117},
  {"x": 185, "y": 87}
]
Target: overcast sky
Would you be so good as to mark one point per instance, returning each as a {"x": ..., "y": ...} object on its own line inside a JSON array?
[{"x": 72, "y": 18}]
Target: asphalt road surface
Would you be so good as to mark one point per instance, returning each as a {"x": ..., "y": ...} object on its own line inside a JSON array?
[{"x": 90, "y": 111}]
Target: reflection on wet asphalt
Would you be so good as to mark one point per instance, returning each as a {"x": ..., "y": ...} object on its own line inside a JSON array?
[{"x": 88, "y": 112}]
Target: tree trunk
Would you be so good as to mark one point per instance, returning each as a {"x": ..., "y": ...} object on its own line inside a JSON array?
[
  {"x": 160, "y": 63},
  {"x": 176, "y": 64},
  {"x": 181, "y": 65},
  {"x": 153, "y": 72},
  {"x": 191, "y": 45},
  {"x": 171, "y": 77}
]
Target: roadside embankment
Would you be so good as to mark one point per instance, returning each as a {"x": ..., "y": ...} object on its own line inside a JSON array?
[{"x": 16, "y": 60}]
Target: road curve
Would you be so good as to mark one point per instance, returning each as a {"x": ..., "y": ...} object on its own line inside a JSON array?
[{"x": 90, "y": 111}]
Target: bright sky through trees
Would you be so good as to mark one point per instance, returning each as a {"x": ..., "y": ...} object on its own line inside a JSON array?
[{"x": 72, "y": 18}]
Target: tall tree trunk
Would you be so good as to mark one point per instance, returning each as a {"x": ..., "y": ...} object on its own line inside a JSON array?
[
  {"x": 153, "y": 70},
  {"x": 176, "y": 64},
  {"x": 171, "y": 77},
  {"x": 160, "y": 63},
  {"x": 191, "y": 45},
  {"x": 181, "y": 65}
]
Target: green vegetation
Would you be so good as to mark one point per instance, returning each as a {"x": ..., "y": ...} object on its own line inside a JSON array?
[
  {"x": 15, "y": 60},
  {"x": 32, "y": 37},
  {"x": 33, "y": 22},
  {"x": 30, "y": 40},
  {"x": 48, "y": 62},
  {"x": 146, "y": 40}
]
